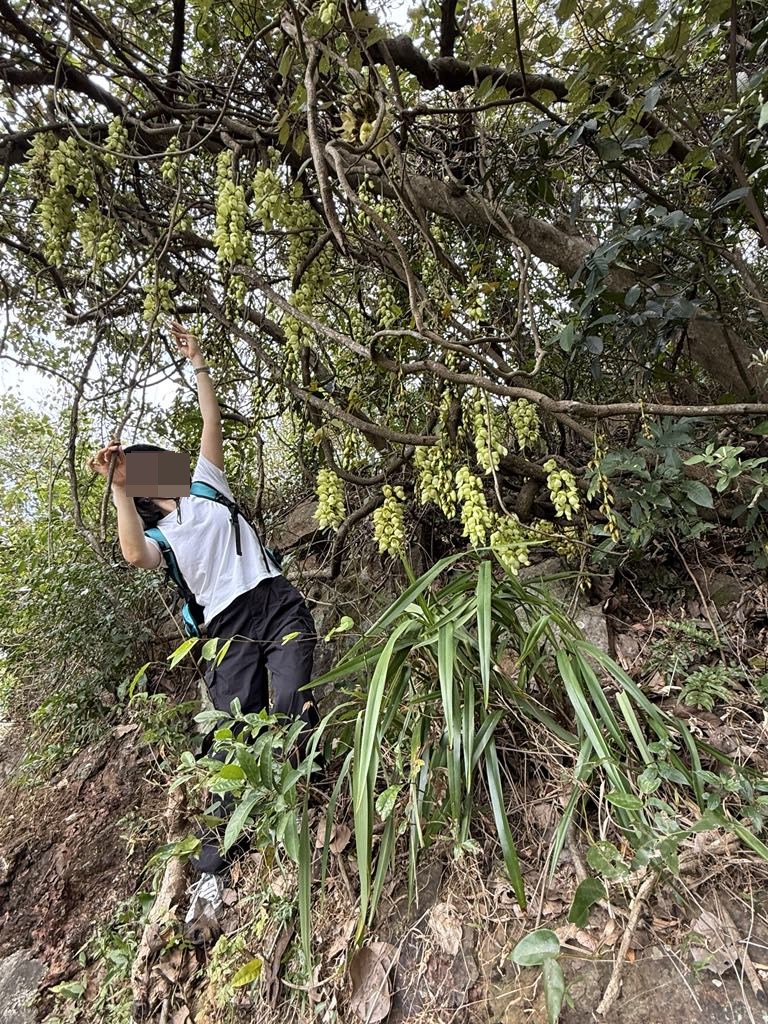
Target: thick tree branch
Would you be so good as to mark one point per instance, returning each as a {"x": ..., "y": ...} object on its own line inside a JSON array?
[{"x": 177, "y": 41}]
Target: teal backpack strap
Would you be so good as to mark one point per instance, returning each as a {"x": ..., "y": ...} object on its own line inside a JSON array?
[{"x": 191, "y": 611}]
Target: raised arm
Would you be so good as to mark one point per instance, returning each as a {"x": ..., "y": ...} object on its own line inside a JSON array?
[
  {"x": 135, "y": 547},
  {"x": 211, "y": 440}
]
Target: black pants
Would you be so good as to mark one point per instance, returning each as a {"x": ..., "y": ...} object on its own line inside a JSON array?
[{"x": 258, "y": 620}]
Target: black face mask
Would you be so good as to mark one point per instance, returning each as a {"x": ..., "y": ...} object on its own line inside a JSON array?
[{"x": 150, "y": 513}]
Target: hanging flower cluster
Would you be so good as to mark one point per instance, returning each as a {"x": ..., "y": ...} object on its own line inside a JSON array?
[
  {"x": 229, "y": 235},
  {"x": 525, "y": 420},
  {"x": 389, "y": 521},
  {"x": 510, "y": 543},
  {"x": 476, "y": 517},
  {"x": 562, "y": 489},
  {"x": 330, "y": 511},
  {"x": 488, "y": 432},
  {"x": 435, "y": 477}
]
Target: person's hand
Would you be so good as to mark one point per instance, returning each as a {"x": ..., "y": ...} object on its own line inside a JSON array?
[
  {"x": 99, "y": 463},
  {"x": 186, "y": 342}
]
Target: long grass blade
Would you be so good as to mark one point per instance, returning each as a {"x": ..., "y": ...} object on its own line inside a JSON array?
[
  {"x": 483, "y": 595},
  {"x": 506, "y": 841},
  {"x": 305, "y": 890}
]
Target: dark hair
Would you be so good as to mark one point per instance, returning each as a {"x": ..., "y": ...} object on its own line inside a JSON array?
[{"x": 150, "y": 513}]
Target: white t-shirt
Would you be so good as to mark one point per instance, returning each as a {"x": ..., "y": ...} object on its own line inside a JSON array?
[{"x": 204, "y": 546}]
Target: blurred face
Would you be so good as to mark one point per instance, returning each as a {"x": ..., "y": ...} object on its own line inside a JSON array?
[{"x": 157, "y": 474}]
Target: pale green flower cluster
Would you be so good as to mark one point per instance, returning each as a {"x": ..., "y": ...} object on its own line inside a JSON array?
[
  {"x": 330, "y": 511},
  {"x": 388, "y": 521}
]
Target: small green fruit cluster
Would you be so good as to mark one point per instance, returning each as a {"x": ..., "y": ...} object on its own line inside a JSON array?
[
  {"x": 117, "y": 142},
  {"x": 169, "y": 166},
  {"x": 327, "y": 12},
  {"x": 229, "y": 235},
  {"x": 268, "y": 197},
  {"x": 98, "y": 236},
  {"x": 157, "y": 298},
  {"x": 388, "y": 311},
  {"x": 564, "y": 542},
  {"x": 38, "y": 162}
]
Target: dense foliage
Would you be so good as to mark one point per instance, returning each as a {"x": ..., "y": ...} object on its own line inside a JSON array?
[{"x": 510, "y": 267}]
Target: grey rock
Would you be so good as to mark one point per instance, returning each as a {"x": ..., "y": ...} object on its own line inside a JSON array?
[
  {"x": 298, "y": 527},
  {"x": 589, "y": 618},
  {"x": 20, "y": 975},
  {"x": 565, "y": 591},
  {"x": 591, "y": 621}
]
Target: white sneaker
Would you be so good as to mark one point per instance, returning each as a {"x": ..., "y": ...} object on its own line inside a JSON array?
[{"x": 207, "y": 892}]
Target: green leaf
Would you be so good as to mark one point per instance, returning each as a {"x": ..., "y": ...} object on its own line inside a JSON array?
[
  {"x": 68, "y": 989},
  {"x": 732, "y": 197},
  {"x": 209, "y": 648},
  {"x": 248, "y": 973},
  {"x": 763, "y": 119},
  {"x": 222, "y": 652},
  {"x": 249, "y": 765},
  {"x": 305, "y": 890},
  {"x": 343, "y": 626},
  {"x": 182, "y": 651},
  {"x": 651, "y": 98},
  {"x": 627, "y": 801},
  {"x": 290, "y": 636},
  {"x": 536, "y": 947},
  {"x": 604, "y": 858},
  {"x": 140, "y": 677},
  {"x": 566, "y": 337},
  {"x": 285, "y": 62},
  {"x": 554, "y": 989},
  {"x": 698, "y": 492},
  {"x": 237, "y": 822},
  {"x": 483, "y": 90},
  {"x": 587, "y": 893},
  {"x": 385, "y": 802},
  {"x": 565, "y": 9},
  {"x": 290, "y": 835},
  {"x": 231, "y": 771}
]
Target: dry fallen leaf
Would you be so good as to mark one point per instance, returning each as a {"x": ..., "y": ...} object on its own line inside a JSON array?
[
  {"x": 320, "y": 832},
  {"x": 340, "y": 837},
  {"x": 369, "y": 971},
  {"x": 612, "y": 933},
  {"x": 123, "y": 730},
  {"x": 445, "y": 927},
  {"x": 342, "y": 939},
  {"x": 720, "y": 952}
]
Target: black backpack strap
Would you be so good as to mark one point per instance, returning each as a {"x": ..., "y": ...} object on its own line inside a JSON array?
[{"x": 204, "y": 490}]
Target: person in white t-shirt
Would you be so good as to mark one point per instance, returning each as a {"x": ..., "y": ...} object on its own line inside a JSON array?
[{"x": 244, "y": 596}]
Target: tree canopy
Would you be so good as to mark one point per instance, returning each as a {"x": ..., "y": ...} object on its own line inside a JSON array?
[{"x": 510, "y": 266}]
